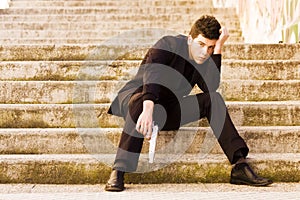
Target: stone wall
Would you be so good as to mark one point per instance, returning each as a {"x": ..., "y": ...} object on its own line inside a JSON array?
[
  {"x": 267, "y": 21},
  {"x": 4, "y": 4}
]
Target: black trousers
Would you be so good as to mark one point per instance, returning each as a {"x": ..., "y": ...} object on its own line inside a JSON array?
[{"x": 170, "y": 115}]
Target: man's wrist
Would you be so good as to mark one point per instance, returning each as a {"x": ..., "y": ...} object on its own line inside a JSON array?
[
  {"x": 217, "y": 50},
  {"x": 148, "y": 105}
]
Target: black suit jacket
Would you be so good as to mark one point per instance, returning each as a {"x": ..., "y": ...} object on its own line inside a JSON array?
[{"x": 167, "y": 72}]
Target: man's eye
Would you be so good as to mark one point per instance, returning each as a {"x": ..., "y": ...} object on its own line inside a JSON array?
[{"x": 201, "y": 44}]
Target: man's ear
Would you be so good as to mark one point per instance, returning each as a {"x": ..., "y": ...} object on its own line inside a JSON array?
[{"x": 190, "y": 39}]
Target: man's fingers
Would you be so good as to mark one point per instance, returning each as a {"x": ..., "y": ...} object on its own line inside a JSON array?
[
  {"x": 138, "y": 125},
  {"x": 144, "y": 129},
  {"x": 149, "y": 132},
  {"x": 224, "y": 31}
]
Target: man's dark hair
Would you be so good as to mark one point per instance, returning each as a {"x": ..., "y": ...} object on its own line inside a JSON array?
[{"x": 208, "y": 26}]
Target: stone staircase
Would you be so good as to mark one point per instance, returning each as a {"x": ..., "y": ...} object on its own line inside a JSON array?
[
  {"x": 94, "y": 21},
  {"x": 62, "y": 62}
]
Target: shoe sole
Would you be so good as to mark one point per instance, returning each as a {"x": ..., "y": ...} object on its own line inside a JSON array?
[
  {"x": 241, "y": 182},
  {"x": 113, "y": 189}
]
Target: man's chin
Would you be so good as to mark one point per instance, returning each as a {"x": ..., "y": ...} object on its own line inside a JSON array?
[{"x": 200, "y": 61}]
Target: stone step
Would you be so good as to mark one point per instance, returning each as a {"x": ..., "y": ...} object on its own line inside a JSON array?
[
  {"x": 91, "y": 169},
  {"x": 92, "y": 41},
  {"x": 102, "y": 3},
  {"x": 277, "y": 139},
  {"x": 285, "y": 113},
  {"x": 81, "y": 91},
  {"x": 82, "y": 33},
  {"x": 231, "y": 21},
  {"x": 237, "y": 90},
  {"x": 93, "y": 27},
  {"x": 117, "y": 10},
  {"x": 67, "y": 70},
  {"x": 145, "y": 9},
  {"x": 89, "y": 41},
  {"x": 137, "y": 52},
  {"x": 261, "y": 69},
  {"x": 134, "y": 21},
  {"x": 126, "y": 69}
]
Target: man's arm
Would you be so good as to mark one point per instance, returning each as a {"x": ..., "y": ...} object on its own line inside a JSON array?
[
  {"x": 209, "y": 80},
  {"x": 222, "y": 39},
  {"x": 153, "y": 77}
]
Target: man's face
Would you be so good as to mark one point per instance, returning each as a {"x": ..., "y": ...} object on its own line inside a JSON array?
[{"x": 200, "y": 48}]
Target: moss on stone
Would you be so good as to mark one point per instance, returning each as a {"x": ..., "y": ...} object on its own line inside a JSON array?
[{"x": 183, "y": 173}]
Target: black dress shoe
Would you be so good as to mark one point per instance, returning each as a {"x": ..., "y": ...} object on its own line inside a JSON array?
[
  {"x": 242, "y": 174},
  {"x": 115, "y": 182}
]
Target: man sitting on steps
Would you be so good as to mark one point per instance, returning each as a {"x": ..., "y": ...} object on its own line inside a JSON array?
[{"x": 168, "y": 72}]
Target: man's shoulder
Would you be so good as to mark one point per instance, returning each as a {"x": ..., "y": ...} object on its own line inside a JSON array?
[
  {"x": 170, "y": 41},
  {"x": 178, "y": 37},
  {"x": 174, "y": 39}
]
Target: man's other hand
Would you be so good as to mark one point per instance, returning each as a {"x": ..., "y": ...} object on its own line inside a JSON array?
[{"x": 222, "y": 39}]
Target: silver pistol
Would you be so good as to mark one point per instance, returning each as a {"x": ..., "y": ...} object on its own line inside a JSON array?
[{"x": 152, "y": 143}]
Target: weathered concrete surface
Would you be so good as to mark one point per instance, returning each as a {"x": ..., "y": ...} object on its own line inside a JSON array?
[
  {"x": 115, "y": 10},
  {"x": 141, "y": 188},
  {"x": 68, "y": 70},
  {"x": 64, "y": 92},
  {"x": 261, "y": 69},
  {"x": 281, "y": 113},
  {"x": 276, "y": 191},
  {"x": 126, "y": 69},
  {"x": 75, "y": 22},
  {"x": 171, "y": 168},
  {"x": 137, "y": 52},
  {"x": 237, "y": 90},
  {"x": 105, "y": 140},
  {"x": 108, "y": 3}
]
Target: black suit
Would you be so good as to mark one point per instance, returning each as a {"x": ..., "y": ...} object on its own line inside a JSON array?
[{"x": 166, "y": 76}]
